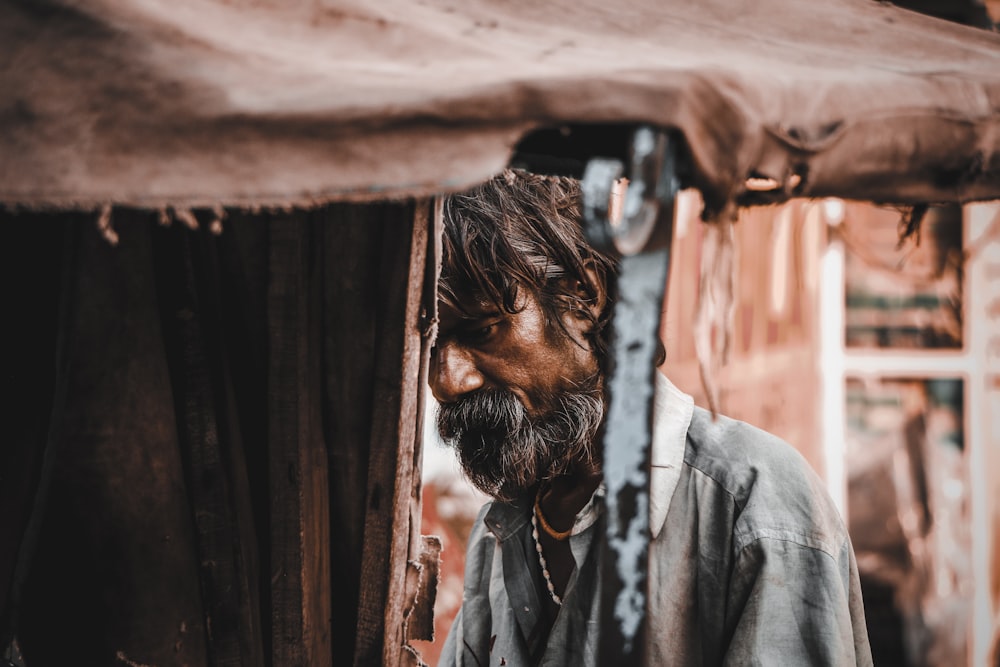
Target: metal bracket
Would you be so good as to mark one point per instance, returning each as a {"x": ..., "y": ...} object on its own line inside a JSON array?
[
  {"x": 652, "y": 185},
  {"x": 641, "y": 234}
]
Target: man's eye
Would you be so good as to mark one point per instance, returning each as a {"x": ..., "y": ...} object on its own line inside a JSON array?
[{"x": 481, "y": 333}]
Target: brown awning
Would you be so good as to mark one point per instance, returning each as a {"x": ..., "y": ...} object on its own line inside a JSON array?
[{"x": 206, "y": 102}]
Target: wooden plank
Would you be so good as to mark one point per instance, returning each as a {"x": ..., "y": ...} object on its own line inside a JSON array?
[
  {"x": 214, "y": 469},
  {"x": 390, "y": 502},
  {"x": 299, "y": 488},
  {"x": 424, "y": 551},
  {"x": 351, "y": 245}
]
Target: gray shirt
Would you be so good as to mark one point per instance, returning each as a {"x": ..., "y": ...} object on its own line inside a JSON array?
[{"x": 750, "y": 563}]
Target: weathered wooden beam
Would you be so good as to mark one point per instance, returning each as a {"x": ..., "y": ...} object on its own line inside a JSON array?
[
  {"x": 424, "y": 552},
  {"x": 392, "y": 507},
  {"x": 351, "y": 246},
  {"x": 299, "y": 488},
  {"x": 211, "y": 447}
]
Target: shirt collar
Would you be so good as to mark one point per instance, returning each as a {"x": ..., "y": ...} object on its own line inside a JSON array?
[
  {"x": 506, "y": 519},
  {"x": 671, "y": 418}
]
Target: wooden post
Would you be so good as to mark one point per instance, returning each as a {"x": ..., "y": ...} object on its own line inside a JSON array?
[
  {"x": 392, "y": 500},
  {"x": 299, "y": 488},
  {"x": 350, "y": 310},
  {"x": 210, "y": 443}
]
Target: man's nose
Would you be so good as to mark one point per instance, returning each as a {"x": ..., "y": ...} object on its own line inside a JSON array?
[{"x": 453, "y": 373}]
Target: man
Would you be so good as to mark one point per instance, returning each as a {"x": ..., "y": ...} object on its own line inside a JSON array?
[{"x": 749, "y": 562}]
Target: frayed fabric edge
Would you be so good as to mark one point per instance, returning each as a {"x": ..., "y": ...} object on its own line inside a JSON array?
[{"x": 716, "y": 304}]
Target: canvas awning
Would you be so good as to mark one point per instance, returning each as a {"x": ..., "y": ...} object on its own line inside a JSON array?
[{"x": 205, "y": 102}]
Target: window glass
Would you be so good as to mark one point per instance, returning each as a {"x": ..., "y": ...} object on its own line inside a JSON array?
[{"x": 905, "y": 295}]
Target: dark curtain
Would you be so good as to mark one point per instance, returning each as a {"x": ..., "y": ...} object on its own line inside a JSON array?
[{"x": 180, "y": 409}]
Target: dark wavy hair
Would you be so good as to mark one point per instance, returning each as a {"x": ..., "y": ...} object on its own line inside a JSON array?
[{"x": 524, "y": 231}]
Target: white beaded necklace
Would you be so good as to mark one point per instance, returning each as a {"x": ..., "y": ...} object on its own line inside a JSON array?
[
  {"x": 541, "y": 559},
  {"x": 584, "y": 520}
]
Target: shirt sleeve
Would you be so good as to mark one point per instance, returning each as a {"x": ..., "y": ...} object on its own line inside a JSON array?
[{"x": 794, "y": 603}]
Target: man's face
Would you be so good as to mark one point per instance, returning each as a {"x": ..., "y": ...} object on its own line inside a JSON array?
[{"x": 520, "y": 398}]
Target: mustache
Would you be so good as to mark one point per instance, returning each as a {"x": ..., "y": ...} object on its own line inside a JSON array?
[{"x": 504, "y": 451}]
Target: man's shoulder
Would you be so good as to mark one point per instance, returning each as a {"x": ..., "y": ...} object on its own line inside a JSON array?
[
  {"x": 732, "y": 445},
  {"x": 774, "y": 489}
]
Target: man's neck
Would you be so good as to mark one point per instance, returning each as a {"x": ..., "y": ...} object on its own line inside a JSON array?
[{"x": 564, "y": 497}]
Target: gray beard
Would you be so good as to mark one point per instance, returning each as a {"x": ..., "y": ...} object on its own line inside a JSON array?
[{"x": 504, "y": 452}]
